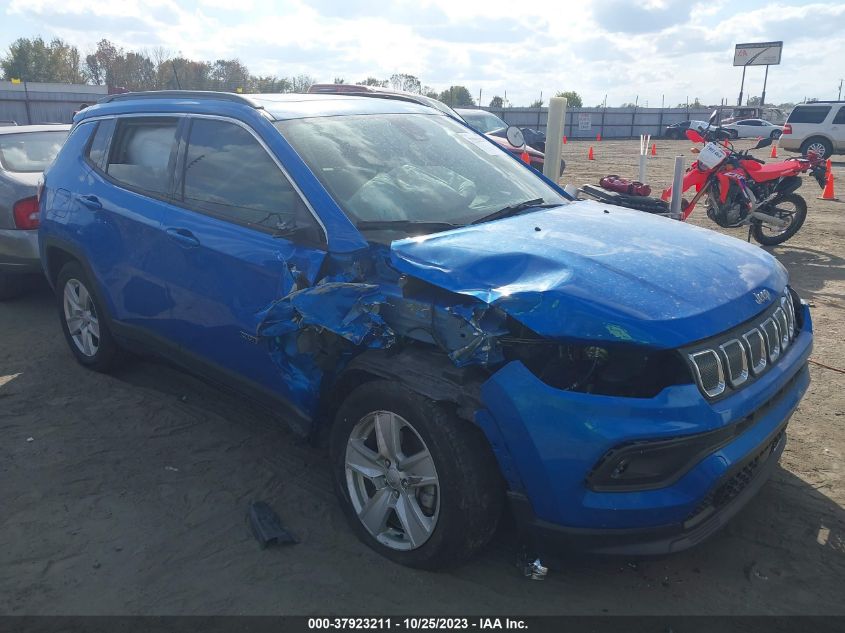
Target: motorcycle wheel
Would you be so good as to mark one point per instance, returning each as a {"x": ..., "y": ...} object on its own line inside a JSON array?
[{"x": 790, "y": 206}]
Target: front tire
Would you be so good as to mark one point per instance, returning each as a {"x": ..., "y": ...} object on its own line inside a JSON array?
[
  {"x": 733, "y": 134},
  {"x": 83, "y": 320},
  {"x": 418, "y": 485},
  {"x": 776, "y": 134},
  {"x": 791, "y": 205}
]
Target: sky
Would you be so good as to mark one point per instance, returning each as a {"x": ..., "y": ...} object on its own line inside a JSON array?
[{"x": 644, "y": 50}]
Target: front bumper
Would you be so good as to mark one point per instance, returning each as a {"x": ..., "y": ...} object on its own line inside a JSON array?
[
  {"x": 547, "y": 441},
  {"x": 19, "y": 251}
]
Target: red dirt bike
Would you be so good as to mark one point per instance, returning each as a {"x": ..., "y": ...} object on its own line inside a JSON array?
[{"x": 741, "y": 189}]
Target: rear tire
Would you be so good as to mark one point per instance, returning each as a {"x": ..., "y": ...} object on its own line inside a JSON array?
[
  {"x": 800, "y": 214},
  {"x": 821, "y": 146},
  {"x": 378, "y": 480},
  {"x": 11, "y": 286},
  {"x": 776, "y": 134},
  {"x": 84, "y": 321},
  {"x": 733, "y": 134}
]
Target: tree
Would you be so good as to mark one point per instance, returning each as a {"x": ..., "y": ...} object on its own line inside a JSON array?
[
  {"x": 372, "y": 81},
  {"x": 753, "y": 101},
  {"x": 35, "y": 60},
  {"x": 270, "y": 83},
  {"x": 339, "y": 80},
  {"x": 301, "y": 83},
  {"x": 537, "y": 103},
  {"x": 408, "y": 83},
  {"x": 573, "y": 99},
  {"x": 430, "y": 92},
  {"x": 497, "y": 102},
  {"x": 457, "y": 97},
  {"x": 229, "y": 74}
]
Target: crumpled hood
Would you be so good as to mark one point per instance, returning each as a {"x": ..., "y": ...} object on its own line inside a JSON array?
[{"x": 588, "y": 270}]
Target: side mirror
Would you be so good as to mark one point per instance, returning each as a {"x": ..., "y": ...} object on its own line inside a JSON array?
[
  {"x": 694, "y": 136},
  {"x": 515, "y": 136},
  {"x": 763, "y": 142}
]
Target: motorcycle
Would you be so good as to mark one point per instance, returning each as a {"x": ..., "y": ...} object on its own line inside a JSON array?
[{"x": 743, "y": 190}]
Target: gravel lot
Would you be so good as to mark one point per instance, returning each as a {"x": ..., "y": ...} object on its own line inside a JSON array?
[{"x": 126, "y": 494}]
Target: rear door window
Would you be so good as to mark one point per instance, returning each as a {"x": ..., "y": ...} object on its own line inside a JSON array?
[
  {"x": 229, "y": 174},
  {"x": 141, "y": 153},
  {"x": 839, "y": 119},
  {"x": 809, "y": 114}
]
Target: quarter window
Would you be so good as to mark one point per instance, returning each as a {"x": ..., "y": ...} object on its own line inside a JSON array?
[
  {"x": 840, "y": 116},
  {"x": 808, "y": 114},
  {"x": 229, "y": 174},
  {"x": 100, "y": 143},
  {"x": 141, "y": 153}
]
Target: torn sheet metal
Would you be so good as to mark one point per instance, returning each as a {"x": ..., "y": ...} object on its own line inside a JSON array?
[
  {"x": 589, "y": 271},
  {"x": 346, "y": 309},
  {"x": 481, "y": 346}
]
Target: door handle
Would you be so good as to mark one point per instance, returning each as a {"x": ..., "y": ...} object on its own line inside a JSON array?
[
  {"x": 92, "y": 202},
  {"x": 184, "y": 237}
]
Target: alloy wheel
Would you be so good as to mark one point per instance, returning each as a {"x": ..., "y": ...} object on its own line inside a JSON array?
[
  {"x": 392, "y": 481},
  {"x": 81, "y": 318}
]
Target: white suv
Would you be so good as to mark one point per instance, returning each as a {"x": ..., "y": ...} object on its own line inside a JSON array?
[{"x": 818, "y": 126}]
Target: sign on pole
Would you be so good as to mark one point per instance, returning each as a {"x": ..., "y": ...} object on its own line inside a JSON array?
[{"x": 759, "y": 54}]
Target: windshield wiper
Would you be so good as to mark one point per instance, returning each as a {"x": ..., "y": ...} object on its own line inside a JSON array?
[
  {"x": 405, "y": 225},
  {"x": 513, "y": 209}
]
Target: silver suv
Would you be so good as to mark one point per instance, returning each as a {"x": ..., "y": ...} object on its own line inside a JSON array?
[{"x": 818, "y": 126}]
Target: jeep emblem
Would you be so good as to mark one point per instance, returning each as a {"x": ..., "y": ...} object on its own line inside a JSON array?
[{"x": 762, "y": 297}]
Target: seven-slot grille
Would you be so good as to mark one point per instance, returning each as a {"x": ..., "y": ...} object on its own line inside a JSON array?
[{"x": 741, "y": 355}]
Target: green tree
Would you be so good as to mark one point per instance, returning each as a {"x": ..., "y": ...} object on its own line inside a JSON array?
[
  {"x": 537, "y": 103},
  {"x": 408, "y": 83},
  {"x": 430, "y": 92},
  {"x": 372, "y": 81},
  {"x": 497, "y": 102},
  {"x": 229, "y": 74},
  {"x": 573, "y": 99},
  {"x": 457, "y": 97},
  {"x": 301, "y": 83},
  {"x": 270, "y": 83},
  {"x": 35, "y": 60}
]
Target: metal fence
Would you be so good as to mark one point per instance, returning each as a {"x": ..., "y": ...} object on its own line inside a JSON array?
[
  {"x": 30, "y": 103},
  {"x": 609, "y": 122}
]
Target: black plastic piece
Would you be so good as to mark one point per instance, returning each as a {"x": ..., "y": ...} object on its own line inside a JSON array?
[{"x": 266, "y": 526}]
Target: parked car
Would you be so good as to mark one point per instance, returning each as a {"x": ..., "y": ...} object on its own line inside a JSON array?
[
  {"x": 753, "y": 128},
  {"x": 740, "y": 113},
  {"x": 462, "y": 332},
  {"x": 493, "y": 127},
  {"x": 678, "y": 130},
  {"x": 818, "y": 127},
  {"x": 25, "y": 150}
]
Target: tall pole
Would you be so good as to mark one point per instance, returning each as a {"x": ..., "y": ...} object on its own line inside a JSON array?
[
  {"x": 741, "y": 87},
  {"x": 839, "y": 98},
  {"x": 765, "y": 78}
]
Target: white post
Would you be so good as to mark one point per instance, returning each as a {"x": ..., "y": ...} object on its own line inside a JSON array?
[
  {"x": 677, "y": 185},
  {"x": 645, "y": 139},
  {"x": 554, "y": 138}
]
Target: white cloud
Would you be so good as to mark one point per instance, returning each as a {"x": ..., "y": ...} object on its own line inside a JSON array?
[{"x": 651, "y": 49}]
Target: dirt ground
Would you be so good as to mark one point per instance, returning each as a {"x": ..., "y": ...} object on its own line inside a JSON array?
[{"x": 126, "y": 494}]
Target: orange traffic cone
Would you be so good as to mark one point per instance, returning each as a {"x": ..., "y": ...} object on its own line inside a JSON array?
[
  {"x": 598, "y": 136},
  {"x": 564, "y": 139},
  {"x": 774, "y": 153},
  {"x": 828, "y": 193},
  {"x": 654, "y": 149},
  {"x": 525, "y": 157},
  {"x": 590, "y": 154}
]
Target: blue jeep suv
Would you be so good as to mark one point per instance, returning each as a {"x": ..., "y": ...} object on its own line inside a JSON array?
[{"x": 461, "y": 333}]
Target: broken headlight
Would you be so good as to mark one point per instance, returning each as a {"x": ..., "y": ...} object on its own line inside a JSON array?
[{"x": 614, "y": 370}]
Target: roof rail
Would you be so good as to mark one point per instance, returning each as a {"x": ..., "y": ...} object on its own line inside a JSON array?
[
  {"x": 181, "y": 94},
  {"x": 821, "y": 101}
]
